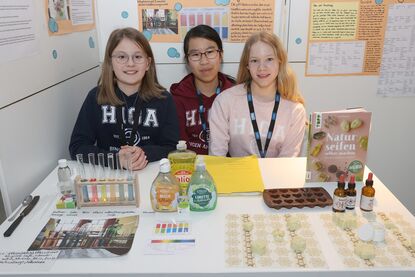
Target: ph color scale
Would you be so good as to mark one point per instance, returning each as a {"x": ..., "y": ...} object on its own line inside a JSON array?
[{"x": 177, "y": 228}]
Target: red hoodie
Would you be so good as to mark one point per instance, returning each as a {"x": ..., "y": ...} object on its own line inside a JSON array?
[{"x": 187, "y": 105}]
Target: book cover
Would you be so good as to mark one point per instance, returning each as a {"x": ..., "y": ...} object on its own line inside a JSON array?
[{"x": 337, "y": 144}]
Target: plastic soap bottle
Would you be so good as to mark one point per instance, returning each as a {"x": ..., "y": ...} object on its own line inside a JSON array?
[
  {"x": 182, "y": 165},
  {"x": 368, "y": 195},
  {"x": 65, "y": 183},
  {"x": 164, "y": 190},
  {"x": 202, "y": 190}
]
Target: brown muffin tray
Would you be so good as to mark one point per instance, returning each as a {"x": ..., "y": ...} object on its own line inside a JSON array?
[{"x": 297, "y": 197}]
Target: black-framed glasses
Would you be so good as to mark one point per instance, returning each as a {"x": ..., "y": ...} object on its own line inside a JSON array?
[
  {"x": 197, "y": 56},
  {"x": 123, "y": 58}
]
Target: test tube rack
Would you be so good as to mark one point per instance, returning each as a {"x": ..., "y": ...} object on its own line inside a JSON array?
[{"x": 107, "y": 192}]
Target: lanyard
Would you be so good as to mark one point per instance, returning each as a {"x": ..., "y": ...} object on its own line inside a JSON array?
[
  {"x": 120, "y": 122},
  {"x": 202, "y": 111},
  {"x": 255, "y": 125}
]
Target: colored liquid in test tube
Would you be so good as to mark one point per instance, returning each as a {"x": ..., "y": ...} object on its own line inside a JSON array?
[
  {"x": 92, "y": 176},
  {"x": 101, "y": 176},
  {"x": 120, "y": 176},
  {"x": 81, "y": 171},
  {"x": 111, "y": 176}
]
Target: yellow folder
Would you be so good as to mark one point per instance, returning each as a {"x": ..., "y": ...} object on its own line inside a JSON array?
[{"x": 235, "y": 175}]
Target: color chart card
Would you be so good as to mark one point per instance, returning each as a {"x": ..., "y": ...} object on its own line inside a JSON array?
[
  {"x": 170, "y": 237},
  {"x": 168, "y": 228},
  {"x": 170, "y": 247}
]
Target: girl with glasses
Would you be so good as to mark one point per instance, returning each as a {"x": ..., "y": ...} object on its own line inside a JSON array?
[
  {"x": 195, "y": 93},
  {"x": 264, "y": 114},
  {"x": 129, "y": 111}
]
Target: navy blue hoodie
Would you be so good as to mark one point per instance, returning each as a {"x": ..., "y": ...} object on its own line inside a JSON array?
[{"x": 96, "y": 129}]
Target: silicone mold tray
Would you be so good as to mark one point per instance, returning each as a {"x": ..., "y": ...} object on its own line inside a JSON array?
[{"x": 297, "y": 197}]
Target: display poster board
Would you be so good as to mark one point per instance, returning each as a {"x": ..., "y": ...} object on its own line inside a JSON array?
[
  {"x": 166, "y": 22},
  {"x": 347, "y": 37},
  {"x": 234, "y": 20},
  {"x": 64, "y": 16}
]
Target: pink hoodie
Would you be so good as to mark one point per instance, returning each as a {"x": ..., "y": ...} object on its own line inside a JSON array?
[{"x": 231, "y": 128}]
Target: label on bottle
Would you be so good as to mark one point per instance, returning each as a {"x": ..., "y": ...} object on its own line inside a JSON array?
[
  {"x": 201, "y": 198},
  {"x": 350, "y": 202},
  {"x": 339, "y": 203},
  {"x": 183, "y": 177},
  {"x": 166, "y": 198},
  {"x": 366, "y": 203}
]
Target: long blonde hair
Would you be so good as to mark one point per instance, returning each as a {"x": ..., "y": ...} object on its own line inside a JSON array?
[
  {"x": 286, "y": 80},
  {"x": 150, "y": 87}
]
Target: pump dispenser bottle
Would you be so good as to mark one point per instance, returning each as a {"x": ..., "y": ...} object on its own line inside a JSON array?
[
  {"x": 182, "y": 165},
  {"x": 164, "y": 190},
  {"x": 202, "y": 190}
]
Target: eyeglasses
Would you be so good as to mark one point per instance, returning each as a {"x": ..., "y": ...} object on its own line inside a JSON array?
[
  {"x": 197, "y": 56},
  {"x": 268, "y": 62},
  {"x": 123, "y": 58}
]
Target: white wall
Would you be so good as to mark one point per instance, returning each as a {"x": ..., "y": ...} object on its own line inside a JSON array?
[
  {"x": 36, "y": 134},
  {"x": 40, "y": 97}
]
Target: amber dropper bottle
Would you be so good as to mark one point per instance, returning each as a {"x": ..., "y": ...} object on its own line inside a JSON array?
[
  {"x": 339, "y": 197},
  {"x": 351, "y": 194},
  {"x": 368, "y": 195}
]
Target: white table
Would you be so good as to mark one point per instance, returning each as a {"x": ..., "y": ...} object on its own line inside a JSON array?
[{"x": 207, "y": 228}]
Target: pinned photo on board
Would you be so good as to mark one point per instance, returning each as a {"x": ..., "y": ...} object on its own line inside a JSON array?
[{"x": 58, "y": 10}]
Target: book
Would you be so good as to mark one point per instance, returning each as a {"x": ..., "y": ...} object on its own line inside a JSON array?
[{"x": 337, "y": 144}]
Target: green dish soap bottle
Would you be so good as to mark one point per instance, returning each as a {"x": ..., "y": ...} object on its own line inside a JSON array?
[
  {"x": 182, "y": 166},
  {"x": 202, "y": 190},
  {"x": 164, "y": 190}
]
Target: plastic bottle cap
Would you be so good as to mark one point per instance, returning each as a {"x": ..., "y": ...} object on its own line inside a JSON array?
[
  {"x": 365, "y": 232},
  {"x": 200, "y": 162},
  {"x": 181, "y": 145},
  {"x": 62, "y": 163},
  {"x": 164, "y": 165}
]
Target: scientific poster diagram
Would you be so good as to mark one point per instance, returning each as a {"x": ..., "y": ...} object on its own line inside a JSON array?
[
  {"x": 234, "y": 20},
  {"x": 346, "y": 37},
  {"x": 68, "y": 16},
  {"x": 87, "y": 238}
]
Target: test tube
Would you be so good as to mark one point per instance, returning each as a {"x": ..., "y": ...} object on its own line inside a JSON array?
[
  {"x": 92, "y": 176},
  {"x": 110, "y": 170},
  {"x": 91, "y": 160},
  {"x": 120, "y": 176},
  {"x": 101, "y": 176},
  {"x": 130, "y": 177},
  {"x": 110, "y": 175},
  {"x": 81, "y": 170}
]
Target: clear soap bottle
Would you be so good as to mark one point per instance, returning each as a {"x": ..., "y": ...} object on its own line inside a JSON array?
[
  {"x": 164, "y": 190},
  {"x": 65, "y": 183},
  {"x": 202, "y": 189}
]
